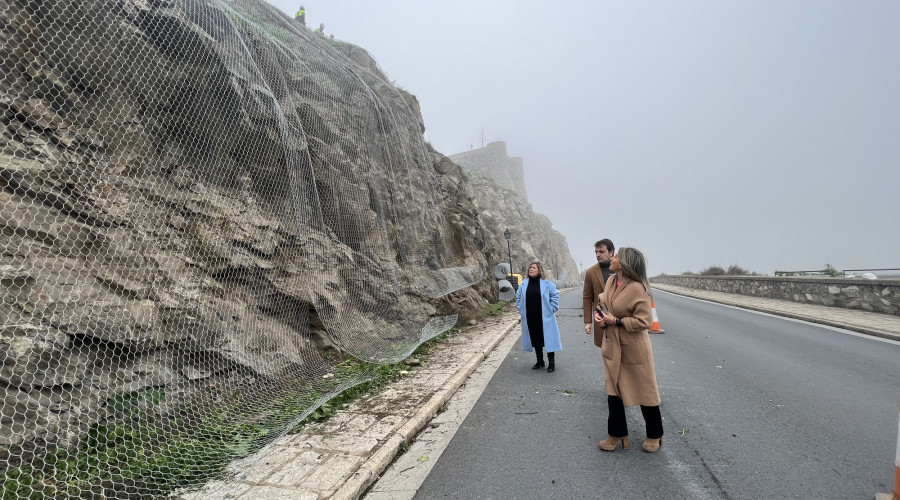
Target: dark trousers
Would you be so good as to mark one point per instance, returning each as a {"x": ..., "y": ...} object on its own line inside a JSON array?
[{"x": 617, "y": 426}]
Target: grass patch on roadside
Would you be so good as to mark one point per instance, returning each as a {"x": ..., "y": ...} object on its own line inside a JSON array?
[
  {"x": 383, "y": 375},
  {"x": 141, "y": 454},
  {"x": 496, "y": 308}
]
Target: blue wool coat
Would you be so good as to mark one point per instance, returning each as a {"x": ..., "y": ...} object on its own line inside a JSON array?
[{"x": 549, "y": 306}]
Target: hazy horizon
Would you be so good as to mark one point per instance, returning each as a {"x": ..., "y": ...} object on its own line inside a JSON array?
[{"x": 703, "y": 133}]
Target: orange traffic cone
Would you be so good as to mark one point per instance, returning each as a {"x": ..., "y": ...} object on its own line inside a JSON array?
[
  {"x": 655, "y": 328},
  {"x": 897, "y": 470},
  {"x": 896, "y": 493}
]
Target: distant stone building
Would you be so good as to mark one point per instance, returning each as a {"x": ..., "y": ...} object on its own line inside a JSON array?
[
  {"x": 533, "y": 236},
  {"x": 492, "y": 162}
]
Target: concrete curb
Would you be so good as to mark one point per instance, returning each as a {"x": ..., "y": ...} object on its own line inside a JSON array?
[
  {"x": 811, "y": 319},
  {"x": 378, "y": 462}
]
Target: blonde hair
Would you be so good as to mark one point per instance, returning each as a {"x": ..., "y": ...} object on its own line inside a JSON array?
[
  {"x": 540, "y": 269},
  {"x": 634, "y": 266}
]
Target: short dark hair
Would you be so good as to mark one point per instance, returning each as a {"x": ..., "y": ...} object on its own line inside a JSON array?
[{"x": 605, "y": 242}]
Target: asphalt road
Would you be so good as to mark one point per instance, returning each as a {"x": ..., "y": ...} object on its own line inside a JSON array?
[{"x": 753, "y": 406}]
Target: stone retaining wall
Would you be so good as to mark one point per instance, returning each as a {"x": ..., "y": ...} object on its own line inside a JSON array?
[{"x": 881, "y": 295}]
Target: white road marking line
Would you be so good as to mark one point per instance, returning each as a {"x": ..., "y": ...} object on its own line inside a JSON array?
[{"x": 820, "y": 325}]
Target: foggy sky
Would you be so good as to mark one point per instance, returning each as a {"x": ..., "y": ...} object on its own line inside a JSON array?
[{"x": 762, "y": 134}]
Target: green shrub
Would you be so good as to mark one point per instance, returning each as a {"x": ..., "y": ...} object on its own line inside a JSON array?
[
  {"x": 495, "y": 308},
  {"x": 831, "y": 271},
  {"x": 713, "y": 271},
  {"x": 736, "y": 270}
]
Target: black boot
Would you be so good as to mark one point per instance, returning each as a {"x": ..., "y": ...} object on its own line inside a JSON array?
[
  {"x": 551, "y": 365},
  {"x": 540, "y": 358}
]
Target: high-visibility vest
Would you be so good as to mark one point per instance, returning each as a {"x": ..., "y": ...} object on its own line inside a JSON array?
[{"x": 300, "y": 13}]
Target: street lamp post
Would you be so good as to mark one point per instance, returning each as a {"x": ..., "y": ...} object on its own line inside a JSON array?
[{"x": 507, "y": 234}]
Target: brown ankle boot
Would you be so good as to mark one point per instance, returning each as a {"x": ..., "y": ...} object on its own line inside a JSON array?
[
  {"x": 609, "y": 444},
  {"x": 652, "y": 445}
]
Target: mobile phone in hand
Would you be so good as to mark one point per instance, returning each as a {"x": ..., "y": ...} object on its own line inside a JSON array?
[{"x": 601, "y": 309}]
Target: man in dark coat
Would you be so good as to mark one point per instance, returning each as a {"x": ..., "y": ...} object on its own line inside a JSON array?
[{"x": 594, "y": 280}]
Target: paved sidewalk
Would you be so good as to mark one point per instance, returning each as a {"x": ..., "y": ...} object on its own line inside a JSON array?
[
  {"x": 876, "y": 324},
  {"x": 342, "y": 457}
]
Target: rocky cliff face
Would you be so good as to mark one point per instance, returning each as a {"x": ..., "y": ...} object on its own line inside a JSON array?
[
  {"x": 205, "y": 206},
  {"x": 503, "y": 203},
  {"x": 202, "y": 203}
]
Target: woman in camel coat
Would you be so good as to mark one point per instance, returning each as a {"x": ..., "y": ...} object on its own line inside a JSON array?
[{"x": 627, "y": 356}]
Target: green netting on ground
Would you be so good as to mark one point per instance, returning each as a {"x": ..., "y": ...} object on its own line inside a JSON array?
[{"x": 202, "y": 201}]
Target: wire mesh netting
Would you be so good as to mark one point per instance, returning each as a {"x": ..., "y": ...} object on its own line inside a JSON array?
[
  {"x": 202, "y": 201},
  {"x": 501, "y": 270},
  {"x": 507, "y": 292}
]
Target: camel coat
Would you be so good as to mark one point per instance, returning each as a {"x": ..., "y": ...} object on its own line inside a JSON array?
[
  {"x": 593, "y": 287},
  {"x": 627, "y": 356}
]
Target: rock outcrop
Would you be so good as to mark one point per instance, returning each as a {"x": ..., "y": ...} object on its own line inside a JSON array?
[
  {"x": 499, "y": 184},
  {"x": 206, "y": 206},
  {"x": 492, "y": 162}
]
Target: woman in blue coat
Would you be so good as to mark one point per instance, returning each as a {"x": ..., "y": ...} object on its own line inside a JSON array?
[{"x": 538, "y": 300}]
